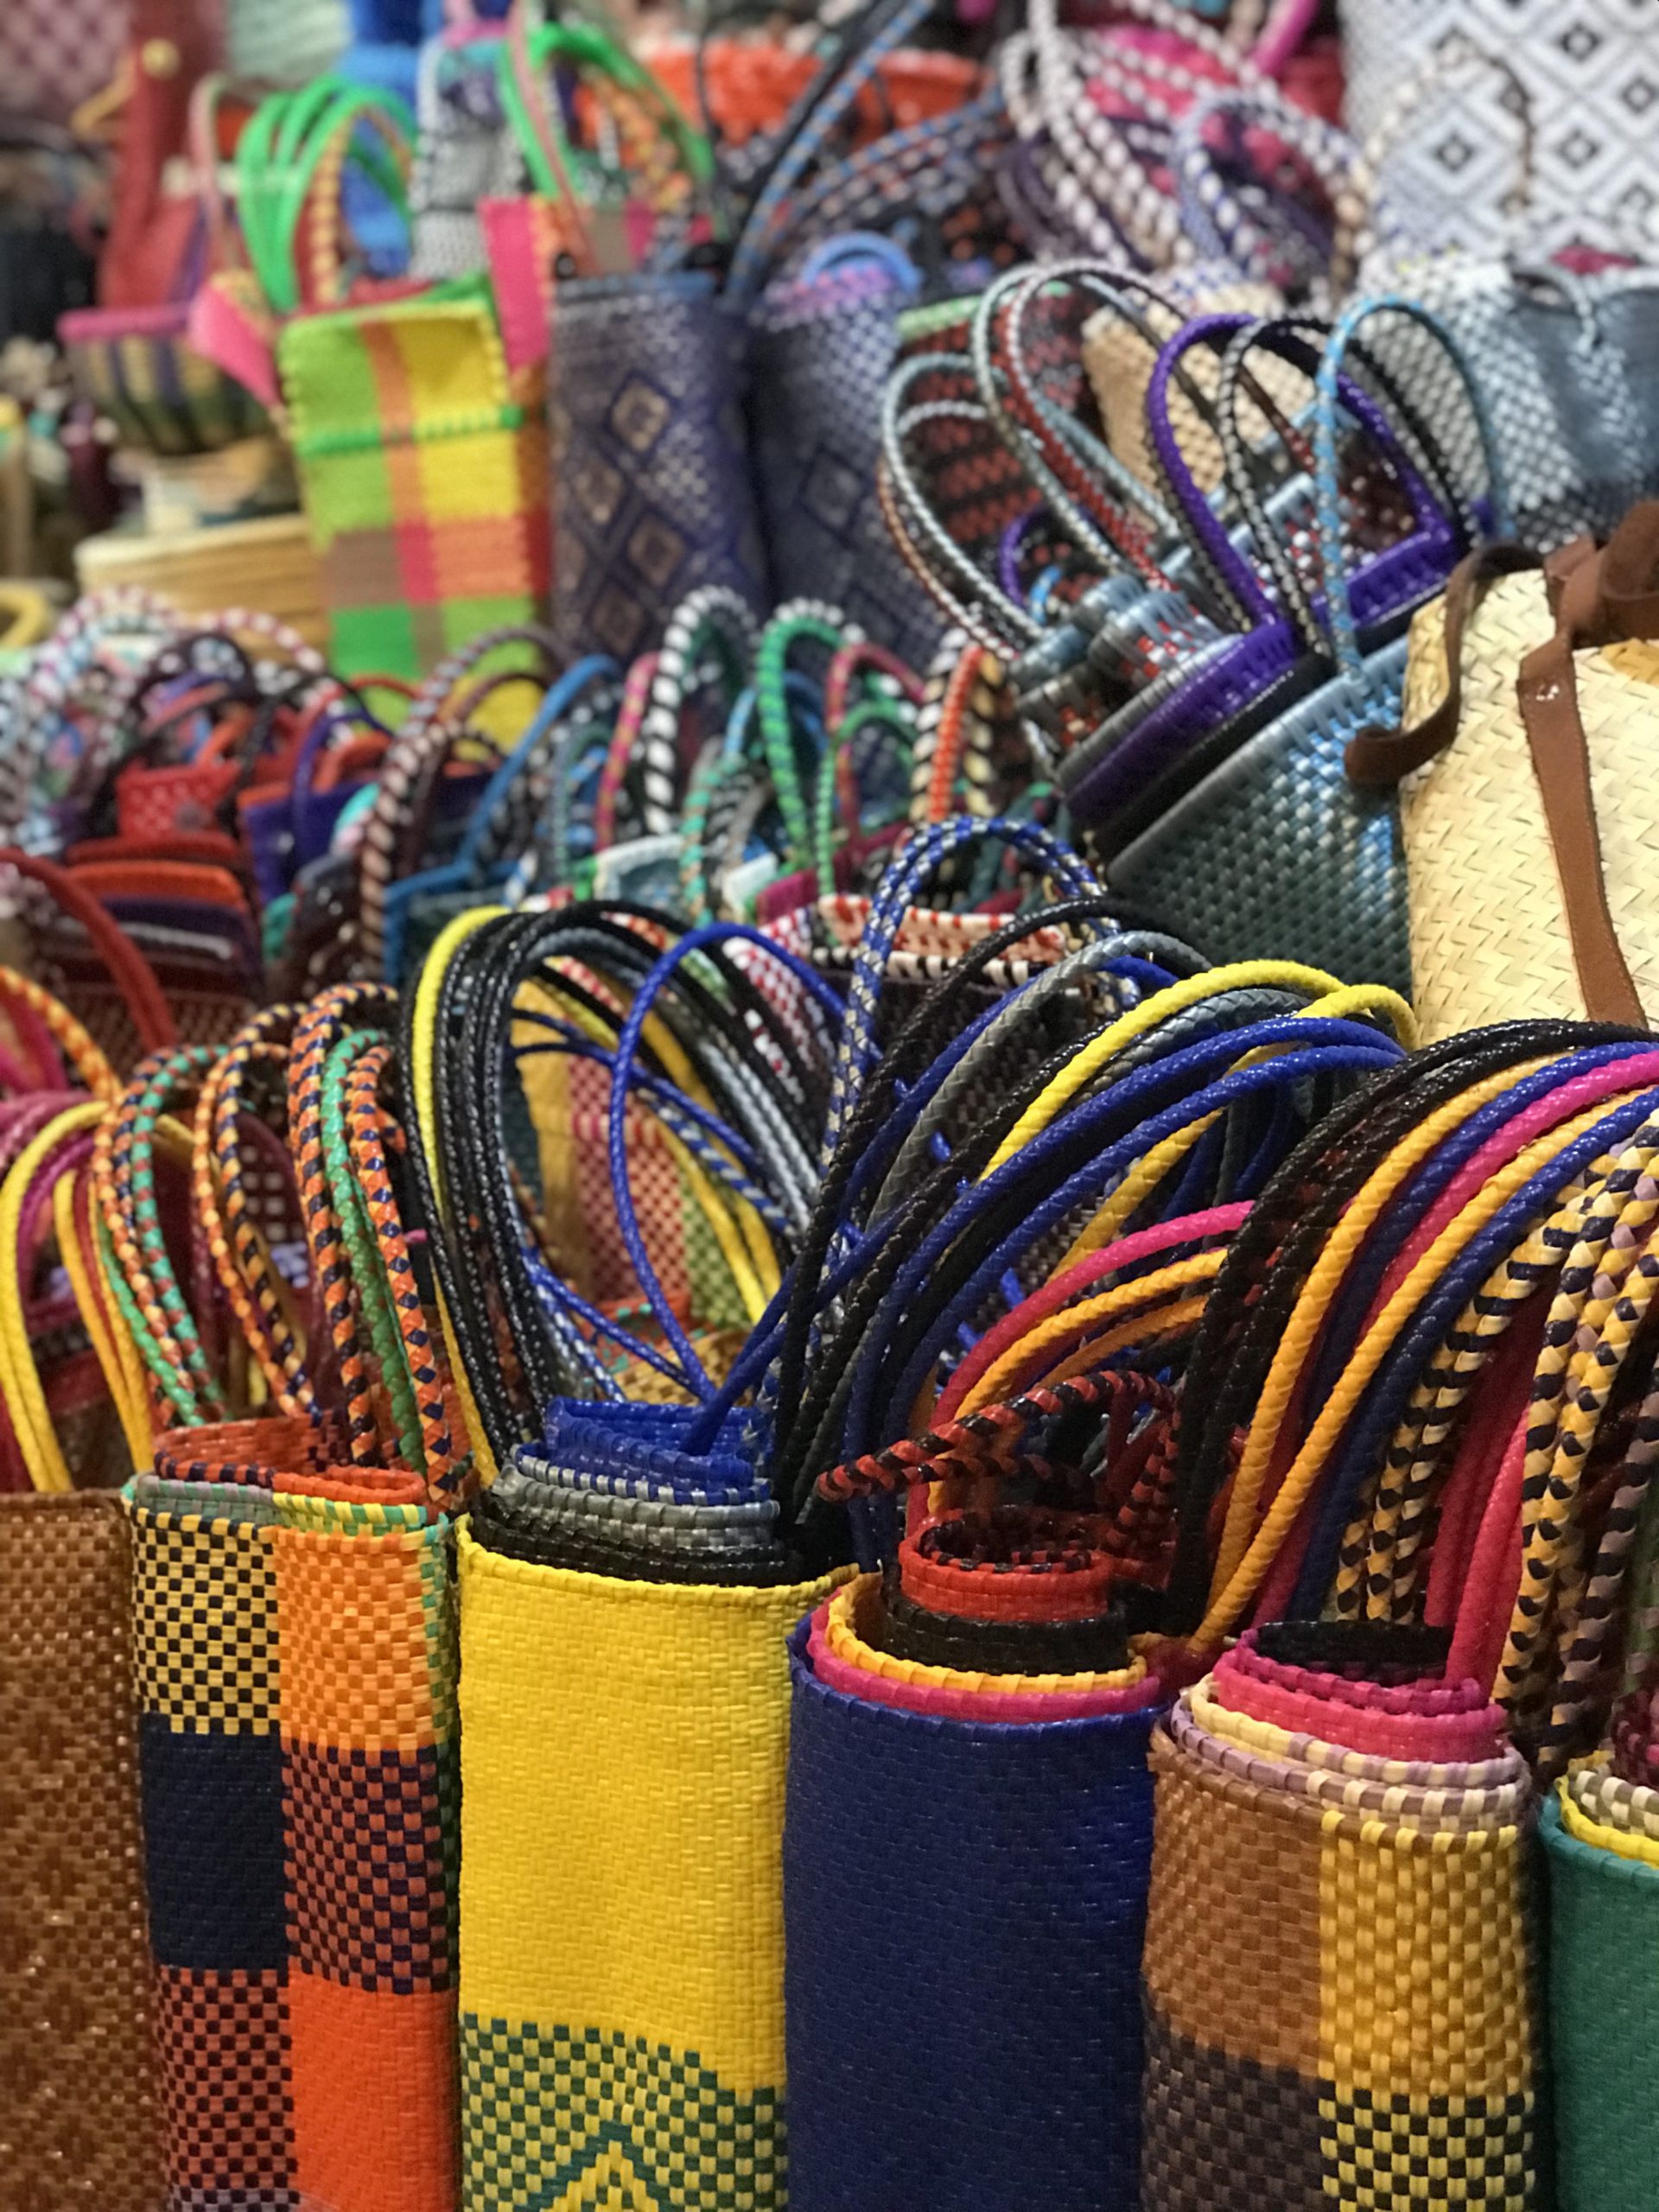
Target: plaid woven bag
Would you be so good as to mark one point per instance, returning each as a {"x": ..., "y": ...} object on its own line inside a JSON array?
[
  {"x": 1339, "y": 1963},
  {"x": 422, "y": 463},
  {"x": 294, "y": 1650}
]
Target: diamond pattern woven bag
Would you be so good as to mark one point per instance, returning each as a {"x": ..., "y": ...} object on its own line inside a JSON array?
[
  {"x": 1591, "y": 67},
  {"x": 651, "y": 495},
  {"x": 821, "y": 349}
]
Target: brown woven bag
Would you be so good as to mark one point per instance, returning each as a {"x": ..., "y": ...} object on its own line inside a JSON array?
[
  {"x": 1528, "y": 805},
  {"x": 77, "y": 2113}
]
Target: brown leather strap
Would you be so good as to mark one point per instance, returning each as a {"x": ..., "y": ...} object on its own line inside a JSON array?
[
  {"x": 1630, "y": 578},
  {"x": 1547, "y": 691},
  {"x": 1376, "y": 758}
]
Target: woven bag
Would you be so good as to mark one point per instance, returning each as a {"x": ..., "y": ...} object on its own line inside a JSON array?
[
  {"x": 1028, "y": 2005},
  {"x": 79, "y": 2121},
  {"x": 293, "y": 1637},
  {"x": 422, "y": 460},
  {"x": 1272, "y": 851},
  {"x": 822, "y": 346},
  {"x": 1528, "y": 840},
  {"x": 1338, "y": 1966},
  {"x": 621, "y": 1992},
  {"x": 652, "y": 490},
  {"x": 1587, "y": 71},
  {"x": 1604, "y": 1969}
]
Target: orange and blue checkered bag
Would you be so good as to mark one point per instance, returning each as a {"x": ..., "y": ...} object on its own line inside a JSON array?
[
  {"x": 423, "y": 462},
  {"x": 294, "y": 1654}
]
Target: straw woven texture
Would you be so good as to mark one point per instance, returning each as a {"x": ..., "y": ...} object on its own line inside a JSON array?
[
  {"x": 621, "y": 1985},
  {"x": 295, "y": 1656},
  {"x": 78, "y": 2117},
  {"x": 1293, "y": 2057},
  {"x": 1489, "y": 933},
  {"x": 423, "y": 462}
]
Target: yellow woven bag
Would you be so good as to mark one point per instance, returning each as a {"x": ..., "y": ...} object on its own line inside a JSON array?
[
  {"x": 1527, "y": 803},
  {"x": 622, "y": 1801}
]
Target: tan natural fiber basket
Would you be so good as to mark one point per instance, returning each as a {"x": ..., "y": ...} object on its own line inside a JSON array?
[
  {"x": 268, "y": 565},
  {"x": 1528, "y": 802}
]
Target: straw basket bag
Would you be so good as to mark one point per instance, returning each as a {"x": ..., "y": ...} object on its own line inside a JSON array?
[{"x": 1531, "y": 836}]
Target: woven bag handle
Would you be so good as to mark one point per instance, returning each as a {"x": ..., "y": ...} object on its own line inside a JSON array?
[
  {"x": 151, "y": 1015},
  {"x": 1046, "y": 441},
  {"x": 713, "y": 616},
  {"x": 1334, "y": 390},
  {"x": 1092, "y": 147},
  {"x": 1287, "y": 27},
  {"x": 1213, "y": 210},
  {"x": 64, "y": 1146},
  {"x": 1378, "y": 759}
]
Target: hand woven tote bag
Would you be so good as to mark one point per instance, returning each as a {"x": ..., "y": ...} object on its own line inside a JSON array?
[
  {"x": 1338, "y": 1948},
  {"x": 1267, "y": 854},
  {"x": 652, "y": 490},
  {"x": 822, "y": 345},
  {"x": 79, "y": 2122},
  {"x": 423, "y": 464},
  {"x": 1023, "y": 1995},
  {"x": 1586, "y": 68},
  {"x": 622, "y": 1980},
  {"x": 294, "y": 1643},
  {"x": 1530, "y": 836}
]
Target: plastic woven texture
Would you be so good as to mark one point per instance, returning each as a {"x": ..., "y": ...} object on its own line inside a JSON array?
[
  {"x": 293, "y": 1649},
  {"x": 1006, "y": 1948},
  {"x": 1488, "y": 921},
  {"x": 465, "y": 154},
  {"x": 1587, "y": 73},
  {"x": 1604, "y": 2020},
  {"x": 1339, "y": 2002},
  {"x": 79, "y": 2123},
  {"x": 1276, "y": 856},
  {"x": 1561, "y": 390},
  {"x": 622, "y": 1987},
  {"x": 423, "y": 464},
  {"x": 53, "y": 56},
  {"x": 819, "y": 357},
  {"x": 651, "y": 494}
]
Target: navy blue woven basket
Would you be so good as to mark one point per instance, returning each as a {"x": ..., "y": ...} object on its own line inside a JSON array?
[{"x": 963, "y": 1910}]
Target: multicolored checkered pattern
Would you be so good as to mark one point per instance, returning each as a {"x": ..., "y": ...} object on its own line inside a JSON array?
[
  {"x": 294, "y": 1657},
  {"x": 1339, "y": 1989},
  {"x": 423, "y": 463}
]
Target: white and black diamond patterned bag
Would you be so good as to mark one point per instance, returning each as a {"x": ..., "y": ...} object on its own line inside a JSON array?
[
  {"x": 1592, "y": 69},
  {"x": 1556, "y": 359}
]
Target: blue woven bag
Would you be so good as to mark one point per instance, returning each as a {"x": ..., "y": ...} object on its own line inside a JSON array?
[
  {"x": 1273, "y": 853},
  {"x": 822, "y": 345},
  {"x": 964, "y": 1908}
]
